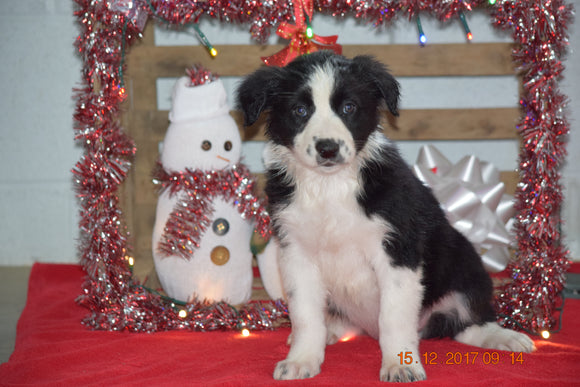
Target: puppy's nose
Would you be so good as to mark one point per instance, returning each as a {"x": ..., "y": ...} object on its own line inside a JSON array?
[{"x": 327, "y": 149}]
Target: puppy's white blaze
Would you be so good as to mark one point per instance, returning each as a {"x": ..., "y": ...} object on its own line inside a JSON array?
[{"x": 324, "y": 123}]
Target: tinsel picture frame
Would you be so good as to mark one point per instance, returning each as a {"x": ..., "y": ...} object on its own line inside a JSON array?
[{"x": 117, "y": 301}]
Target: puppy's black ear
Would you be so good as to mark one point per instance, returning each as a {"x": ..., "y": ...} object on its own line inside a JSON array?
[
  {"x": 386, "y": 85},
  {"x": 255, "y": 92}
]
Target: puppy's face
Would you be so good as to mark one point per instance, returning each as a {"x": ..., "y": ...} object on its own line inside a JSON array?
[{"x": 322, "y": 106}]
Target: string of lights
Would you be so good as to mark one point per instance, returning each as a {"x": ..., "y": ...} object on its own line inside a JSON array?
[{"x": 108, "y": 30}]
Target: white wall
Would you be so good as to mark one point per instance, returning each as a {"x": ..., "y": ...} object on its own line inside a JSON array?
[
  {"x": 38, "y": 211},
  {"x": 38, "y": 71},
  {"x": 571, "y": 171}
]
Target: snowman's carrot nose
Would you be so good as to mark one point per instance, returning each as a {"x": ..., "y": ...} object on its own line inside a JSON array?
[{"x": 223, "y": 158}]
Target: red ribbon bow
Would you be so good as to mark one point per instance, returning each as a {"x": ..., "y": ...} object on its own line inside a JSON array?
[{"x": 300, "y": 43}]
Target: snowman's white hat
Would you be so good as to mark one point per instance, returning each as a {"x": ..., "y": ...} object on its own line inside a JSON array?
[{"x": 197, "y": 102}]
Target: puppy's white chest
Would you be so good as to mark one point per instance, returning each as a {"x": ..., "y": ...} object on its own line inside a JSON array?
[
  {"x": 328, "y": 226},
  {"x": 326, "y": 219}
]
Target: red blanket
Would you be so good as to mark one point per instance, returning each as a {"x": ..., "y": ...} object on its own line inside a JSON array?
[{"x": 53, "y": 348}]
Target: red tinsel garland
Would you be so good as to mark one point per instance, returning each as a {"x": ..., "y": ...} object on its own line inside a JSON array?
[
  {"x": 110, "y": 27},
  {"x": 539, "y": 29}
]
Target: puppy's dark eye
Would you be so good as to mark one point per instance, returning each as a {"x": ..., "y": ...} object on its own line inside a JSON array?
[
  {"x": 228, "y": 146},
  {"x": 206, "y": 145},
  {"x": 301, "y": 111},
  {"x": 348, "y": 108}
]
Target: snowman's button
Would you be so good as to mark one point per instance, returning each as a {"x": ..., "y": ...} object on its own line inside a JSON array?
[
  {"x": 220, "y": 226},
  {"x": 220, "y": 255}
]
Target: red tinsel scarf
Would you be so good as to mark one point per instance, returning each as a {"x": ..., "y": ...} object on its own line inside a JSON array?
[{"x": 192, "y": 212}]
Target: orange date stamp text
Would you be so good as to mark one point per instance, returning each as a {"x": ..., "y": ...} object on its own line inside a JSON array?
[{"x": 463, "y": 358}]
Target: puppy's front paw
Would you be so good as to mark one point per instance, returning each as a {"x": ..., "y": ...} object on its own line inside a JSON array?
[
  {"x": 402, "y": 373},
  {"x": 492, "y": 336},
  {"x": 526, "y": 343},
  {"x": 288, "y": 369},
  {"x": 508, "y": 340}
]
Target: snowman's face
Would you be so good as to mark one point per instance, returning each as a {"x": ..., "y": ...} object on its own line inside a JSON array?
[
  {"x": 210, "y": 144},
  {"x": 219, "y": 150}
]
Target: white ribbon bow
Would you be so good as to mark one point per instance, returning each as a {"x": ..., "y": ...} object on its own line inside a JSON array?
[{"x": 474, "y": 201}]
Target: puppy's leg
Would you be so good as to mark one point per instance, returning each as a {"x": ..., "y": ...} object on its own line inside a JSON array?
[
  {"x": 491, "y": 335},
  {"x": 401, "y": 295},
  {"x": 306, "y": 306}
]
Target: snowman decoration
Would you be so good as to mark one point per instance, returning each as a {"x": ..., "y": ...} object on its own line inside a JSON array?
[{"x": 206, "y": 211}]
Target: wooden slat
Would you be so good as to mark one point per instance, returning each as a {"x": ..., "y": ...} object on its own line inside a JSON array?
[
  {"x": 510, "y": 179},
  {"x": 403, "y": 60},
  {"x": 145, "y": 219},
  {"x": 148, "y": 124},
  {"x": 424, "y": 124},
  {"x": 145, "y": 160},
  {"x": 434, "y": 124},
  {"x": 441, "y": 59},
  {"x": 148, "y": 36},
  {"x": 456, "y": 124},
  {"x": 142, "y": 92}
]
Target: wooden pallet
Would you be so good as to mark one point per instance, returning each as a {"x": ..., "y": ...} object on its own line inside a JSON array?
[{"x": 147, "y": 125}]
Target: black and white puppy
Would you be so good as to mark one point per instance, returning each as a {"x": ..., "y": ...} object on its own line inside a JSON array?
[{"x": 364, "y": 244}]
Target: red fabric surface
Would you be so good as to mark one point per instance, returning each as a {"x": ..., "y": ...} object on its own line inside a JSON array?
[{"x": 53, "y": 348}]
